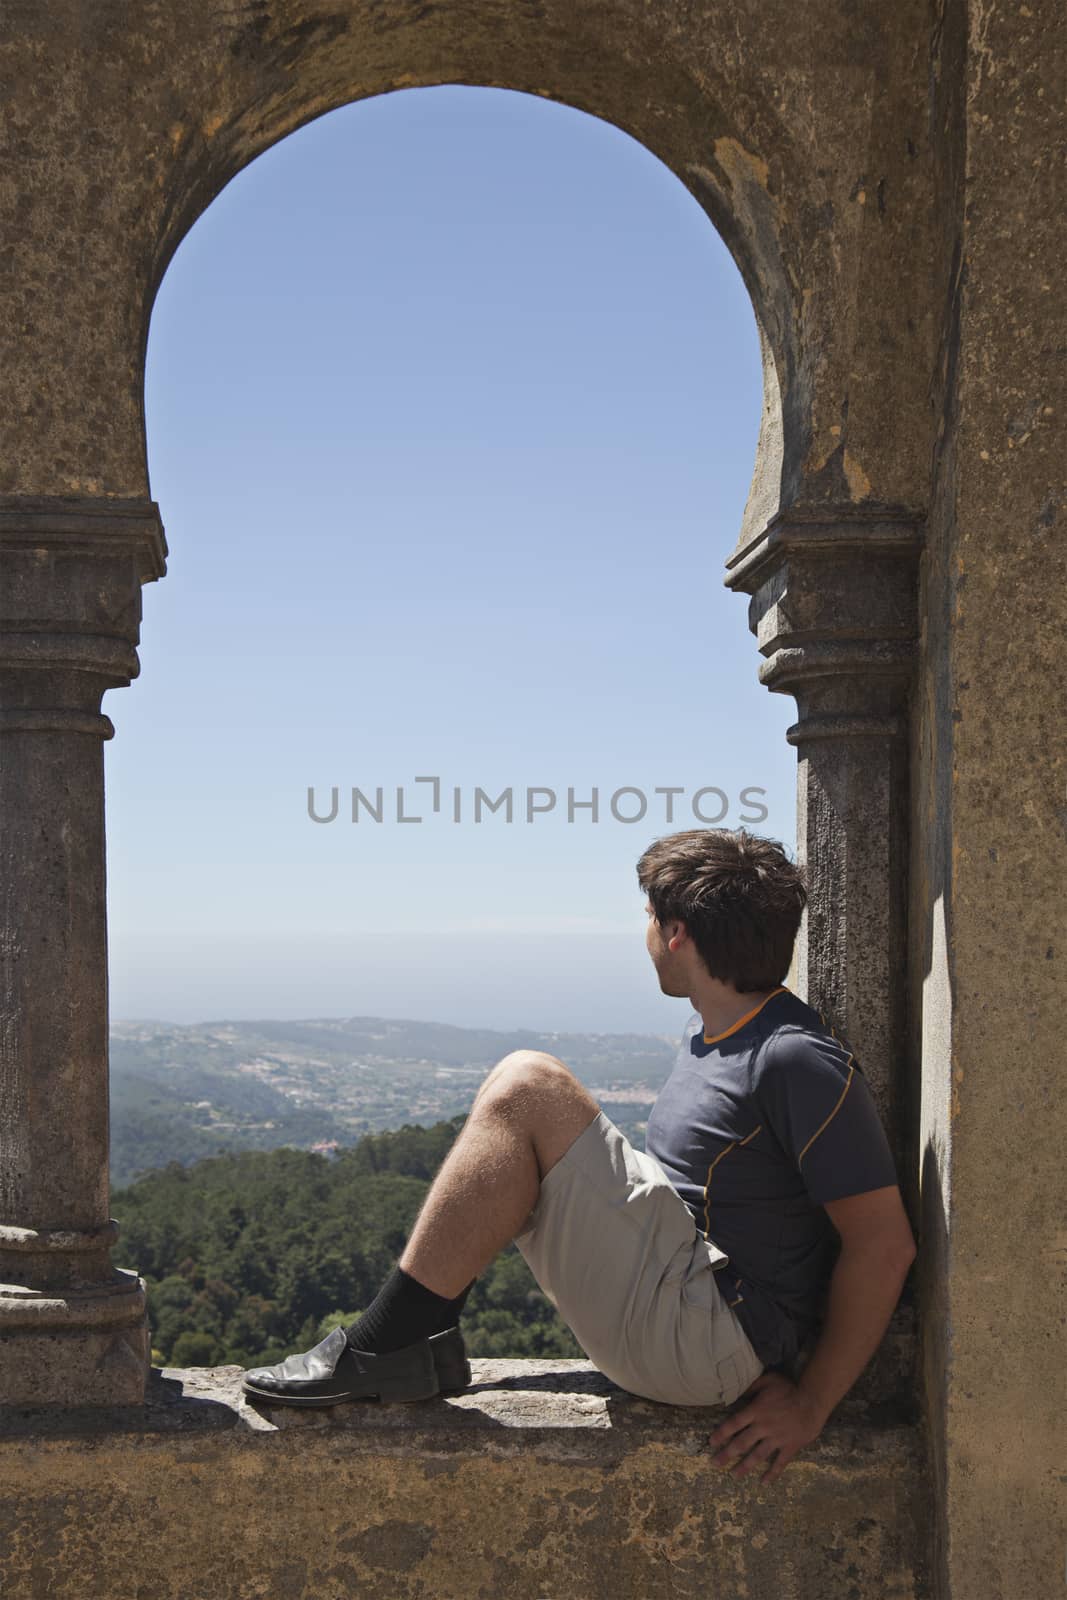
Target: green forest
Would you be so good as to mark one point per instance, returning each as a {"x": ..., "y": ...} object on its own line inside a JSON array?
[{"x": 249, "y": 1257}]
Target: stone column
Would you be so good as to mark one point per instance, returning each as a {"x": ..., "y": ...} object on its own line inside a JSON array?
[
  {"x": 72, "y": 1328},
  {"x": 834, "y": 610}
]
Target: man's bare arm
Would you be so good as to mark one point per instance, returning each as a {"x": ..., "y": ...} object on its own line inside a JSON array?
[{"x": 877, "y": 1248}]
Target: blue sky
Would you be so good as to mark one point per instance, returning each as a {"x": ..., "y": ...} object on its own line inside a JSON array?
[{"x": 452, "y": 407}]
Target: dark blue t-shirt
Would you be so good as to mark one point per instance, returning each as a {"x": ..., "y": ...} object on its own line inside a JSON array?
[{"x": 757, "y": 1129}]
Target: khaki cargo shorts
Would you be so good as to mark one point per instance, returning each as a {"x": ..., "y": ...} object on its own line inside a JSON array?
[{"x": 616, "y": 1250}]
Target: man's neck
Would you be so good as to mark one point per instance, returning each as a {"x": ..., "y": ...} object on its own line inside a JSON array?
[{"x": 723, "y": 1008}]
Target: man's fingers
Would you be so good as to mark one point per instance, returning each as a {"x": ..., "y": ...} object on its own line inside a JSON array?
[
  {"x": 731, "y": 1425},
  {"x": 738, "y": 1446},
  {"x": 756, "y": 1457},
  {"x": 751, "y": 1455},
  {"x": 717, "y": 1440},
  {"x": 774, "y": 1472}
]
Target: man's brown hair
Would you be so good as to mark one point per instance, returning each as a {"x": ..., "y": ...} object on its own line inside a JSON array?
[{"x": 739, "y": 895}]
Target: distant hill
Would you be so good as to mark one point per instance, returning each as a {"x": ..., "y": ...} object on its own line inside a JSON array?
[{"x": 183, "y": 1092}]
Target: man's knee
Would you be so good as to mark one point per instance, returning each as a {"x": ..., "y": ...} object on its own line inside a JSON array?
[
  {"x": 533, "y": 1062},
  {"x": 539, "y": 1093},
  {"x": 522, "y": 1072}
]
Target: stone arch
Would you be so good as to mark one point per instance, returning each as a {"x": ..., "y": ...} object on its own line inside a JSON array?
[
  {"x": 731, "y": 183},
  {"x": 796, "y": 149},
  {"x": 796, "y": 152}
]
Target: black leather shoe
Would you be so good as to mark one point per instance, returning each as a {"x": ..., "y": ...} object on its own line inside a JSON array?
[{"x": 333, "y": 1372}]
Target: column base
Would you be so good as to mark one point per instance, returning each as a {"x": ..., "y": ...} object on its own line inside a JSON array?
[{"x": 75, "y": 1347}]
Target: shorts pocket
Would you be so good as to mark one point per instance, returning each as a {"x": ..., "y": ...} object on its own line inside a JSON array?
[
  {"x": 731, "y": 1380},
  {"x": 701, "y": 1287}
]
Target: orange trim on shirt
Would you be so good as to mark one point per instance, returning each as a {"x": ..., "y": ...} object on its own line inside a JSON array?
[
  {"x": 781, "y": 989},
  {"x": 833, "y": 1114},
  {"x": 851, "y": 1064},
  {"x": 735, "y": 1144}
]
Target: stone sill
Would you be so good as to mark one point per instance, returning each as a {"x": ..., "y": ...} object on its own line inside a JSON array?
[
  {"x": 505, "y": 1395},
  {"x": 543, "y": 1481}
]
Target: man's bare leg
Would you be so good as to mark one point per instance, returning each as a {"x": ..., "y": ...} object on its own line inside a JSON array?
[{"x": 525, "y": 1116}]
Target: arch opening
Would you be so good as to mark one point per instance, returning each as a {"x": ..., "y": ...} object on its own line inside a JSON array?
[{"x": 188, "y": 521}]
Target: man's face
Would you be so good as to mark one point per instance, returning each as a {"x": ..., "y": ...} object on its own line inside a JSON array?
[{"x": 672, "y": 968}]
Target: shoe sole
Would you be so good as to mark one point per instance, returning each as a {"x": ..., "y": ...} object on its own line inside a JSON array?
[{"x": 389, "y": 1393}]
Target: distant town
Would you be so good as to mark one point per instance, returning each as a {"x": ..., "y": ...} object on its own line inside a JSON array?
[{"x": 183, "y": 1092}]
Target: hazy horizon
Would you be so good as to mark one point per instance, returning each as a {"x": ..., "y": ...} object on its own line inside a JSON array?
[
  {"x": 578, "y": 988},
  {"x": 372, "y": 1016}
]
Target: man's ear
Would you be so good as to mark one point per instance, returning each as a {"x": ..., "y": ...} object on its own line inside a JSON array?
[{"x": 679, "y": 931}]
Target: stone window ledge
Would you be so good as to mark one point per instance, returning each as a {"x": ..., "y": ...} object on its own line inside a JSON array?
[{"x": 543, "y": 1481}]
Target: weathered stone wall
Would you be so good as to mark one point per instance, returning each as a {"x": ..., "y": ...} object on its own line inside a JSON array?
[
  {"x": 542, "y": 1482},
  {"x": 989, "y": 908}
]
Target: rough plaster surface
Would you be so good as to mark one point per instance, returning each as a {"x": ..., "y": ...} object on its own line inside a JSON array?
[{"x": 543, "y": 1481}]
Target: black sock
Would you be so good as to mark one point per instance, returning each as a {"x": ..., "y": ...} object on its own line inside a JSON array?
[{"x": 403, "y": 1312}]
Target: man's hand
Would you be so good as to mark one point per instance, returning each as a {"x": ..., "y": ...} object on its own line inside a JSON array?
[{"x": 778, "y": 1418}]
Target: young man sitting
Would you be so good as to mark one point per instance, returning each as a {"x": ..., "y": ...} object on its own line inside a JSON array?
[{"x": 690, "y": 1272}]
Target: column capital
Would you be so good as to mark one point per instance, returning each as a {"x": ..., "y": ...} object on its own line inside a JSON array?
[
  {"x": 844, "y": 529},
  {"x": 89, "y": 525},
  {"x": 71, "y": 571},
  {"x": 834, "y": 610}
]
